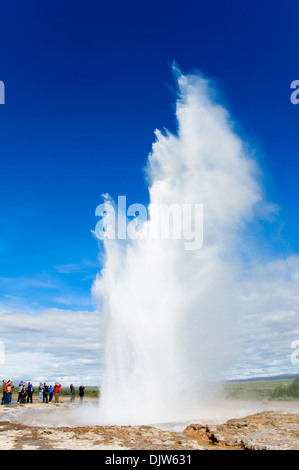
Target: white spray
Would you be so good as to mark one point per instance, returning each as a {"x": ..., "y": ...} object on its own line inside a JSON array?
[{"x": 169, "y": 310}]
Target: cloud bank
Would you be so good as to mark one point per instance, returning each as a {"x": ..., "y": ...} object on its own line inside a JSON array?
[{"x": 51, "y": 344}]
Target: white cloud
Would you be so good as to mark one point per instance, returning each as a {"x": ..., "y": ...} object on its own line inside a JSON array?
[
  {"x": 50, "y": 344},
  {"x": 268, "y": 320},
  {"x": 81, "y": 267},
  {"x": 63, "y": 300}
]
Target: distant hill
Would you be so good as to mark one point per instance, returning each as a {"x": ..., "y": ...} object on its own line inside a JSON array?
[
  {"x": 260, "y": 388},
  {"x": 272, "y": 377}
]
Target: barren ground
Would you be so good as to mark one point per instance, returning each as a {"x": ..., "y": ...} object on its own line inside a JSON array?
[{"x": 70, "y": 426}]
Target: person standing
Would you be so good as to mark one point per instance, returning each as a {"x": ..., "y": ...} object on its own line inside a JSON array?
[
  {"x": 10, "y": 387},
  {"x": 20, "y": 389},
  {"x": 81, "y": 393},
  {"x": 57, "y": 391},
  {"x": 45, "y": 393},
  {"x": 40, "y": 392},
  {"x": 4, "y": 390},
  {"x": 72, "y": 390},
  {"x": 30, "y": 391},
  {"x": 50, "y": 393},
  {"x": 22, "y": 394}
]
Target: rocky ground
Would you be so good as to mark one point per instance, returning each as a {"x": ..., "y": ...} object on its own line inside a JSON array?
[
  {"x": 268, "y": 430},
  {"x": 20, "y": 437},
  {"x": 50, "y": 427}
]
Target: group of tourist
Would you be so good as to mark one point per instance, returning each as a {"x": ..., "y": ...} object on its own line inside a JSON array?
[
  {"x": 7, "y": 387},
  {"x": 45, "y": 392}
]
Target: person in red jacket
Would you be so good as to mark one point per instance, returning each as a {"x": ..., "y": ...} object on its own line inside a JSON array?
[{"x": 56, "y": 391}]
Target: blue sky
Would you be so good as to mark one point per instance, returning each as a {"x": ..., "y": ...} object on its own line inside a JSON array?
[
  {"x": 86, "y": 86},
  {"x": 87, "y": 83}
]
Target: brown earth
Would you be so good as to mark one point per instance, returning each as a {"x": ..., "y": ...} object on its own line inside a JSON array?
[
  {"x": 20, "y": 437},
  {"x": 17, "y": 434},
  {"x": 266, "y": 430}
]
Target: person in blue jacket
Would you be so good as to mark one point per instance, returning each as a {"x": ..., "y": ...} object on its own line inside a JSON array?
[
  {"x": 50, "y": 393},
  {"x": 30, "y": 391}
]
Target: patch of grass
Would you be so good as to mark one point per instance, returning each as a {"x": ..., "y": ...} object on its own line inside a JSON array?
[
  {"x": 288, "y": 391},
  {"x": 252, "y": 390},
  {"x": 89, "y": 392}
]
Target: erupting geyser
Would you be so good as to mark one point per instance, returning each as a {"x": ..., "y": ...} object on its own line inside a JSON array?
[{"x": 169, "y": 311}]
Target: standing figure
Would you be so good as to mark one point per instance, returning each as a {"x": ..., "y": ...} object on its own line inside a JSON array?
[
  {"x": 4, "y": 391},
  {"x": 56, "y": 391},
  {"x": 30, "y": 391},
  {"x": 45, "y": 393},
  {"x": 40, "y": 392},
  {"x": 22, "y": 394},
  {"x": 50, "y": 393},
  {"x": 72, "y": 390},
  {"x": 9, "y": 389},
  {"x": 81, "y": 393}
]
